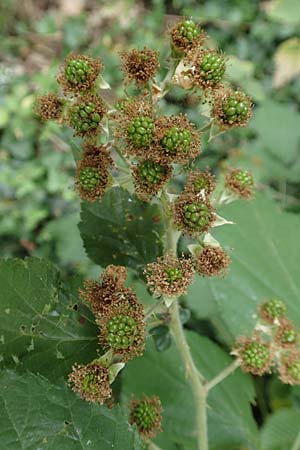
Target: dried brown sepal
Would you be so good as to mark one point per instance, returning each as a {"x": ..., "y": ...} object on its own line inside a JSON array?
[
  {"x": 146, "y": 190},
  {"x": 286, "y": 335},
  {"x": 146, "y": 414},
  {"x": 179, "y": 154},
  {"x": 212, "y": 261},
  {"x": 219, "y": 100},
  {"x": 77, "y": 122},
  {"x": 140, "y": 65},
  {"x": 79, "y": 87},
  {"x": 169, "y": 276},
  {"x": 131, "y": 110},
  {"x": 101, "y": 295},
  {"x": 289, "y": 367},
  {"x": 126, "y": 305},
  {"x": 211, "y": 80},
  {"x": 234, "y": 182},
  {"x": 49, "y": 107},
  {"x": 181, "y": 43},
  {"x": 100, "y": 160},
  {"x": 91, "y": 382},
  {"x": 198, "y": 181},
  {"x": 254, "y": 354},
  {"x": 179, "y": 213}
]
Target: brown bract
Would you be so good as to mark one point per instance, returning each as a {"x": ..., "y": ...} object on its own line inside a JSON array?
[
  {"x": 127, "y": 305},
  {"x": 140, "y": 65},
  {"x": 287, "y": 361},
  {"x": 132, "y": 109},
  {"x": 198, "y": 182},
  {"x": 219, "y": 115},
  {"x": 91, "y": 382},
  {"x": 49, "y": 107},
  {"x": 185, "y": 199},
  {"x": 236, "y": 186},
  {"x": 146, "y": 190},
  {"x": 181, "y": 43},
  {"x": 158, "y": 279},
  {"x": 99, "y": 158},
  {"x": 161, "y": 154},
  {"x": 212, "y": 261},
  {"x": 96, "y": 67},
  {"x": 153, "y": 402},
  {"x": 101, "y": 295}
]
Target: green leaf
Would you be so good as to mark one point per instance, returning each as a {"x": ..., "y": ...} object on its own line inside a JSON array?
[
  {"x": 36, "y": 415},
  {"x": 229, "y": 414},
  {"x": 286, "y": 11},
  {"x": 280, "y": 430},
  {"x": 43, "y": 328},
  {"x": 265, "y": 264},
  {"x": 281, "y": 141},
  {"x": 121, "y": 230},
  {"x": 287, "y": 61}
]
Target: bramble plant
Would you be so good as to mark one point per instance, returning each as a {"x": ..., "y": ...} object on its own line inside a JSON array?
[{"x": 130, "y": 147}]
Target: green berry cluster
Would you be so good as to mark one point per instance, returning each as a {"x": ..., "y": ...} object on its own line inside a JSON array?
[
  {"x": 145, "y": 415},
  {"x": 177, "y": 138},
  {"x": 294, "y": 370},
  {"x": 88, "y": 383},
  {"x": 289, "y": 336},
  {"x": 140, "y": 131},
  {"x": 256, "y": 355},
  {"x": 274, "y": 309},
  {"x": 173, "y": 274},
  {"x": 89, "y": 178},
  {"x": 84, "y": 117},
  {"x": 151, "y": 172},
  {"x": 121, "y": 331},
  {"x": 212, "y": 67},
  {"x": 201, "y": 183},
  {"x": 244, "y": 178},
  {"x": 235, "y": 108},
  {"x": 196, "y": 215},
  {"x": 77, "y": 71},
  {"x": 189, "y": 30}
]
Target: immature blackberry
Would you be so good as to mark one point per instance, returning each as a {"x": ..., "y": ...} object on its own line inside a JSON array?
[
  {"x": 231, "y": 108},
  {"x": 89, "y": 178},
  {"x": 86, "y": 114},
  {"x": 79, "y": 73},
  {"x": 186, "y": 35},
  {"x": 193, "y": 214},
  {"x": 149, "y": 178},
  {"x": 121, "y": 331},
  {"x": 272, "y": 309},
  {"x": 173, "y": 274},
  {"x": 286, "y": 335},
  {"x": 151, "y": 172},
  {"x": 140, "y": 131},
  {"x": 146, "y": 414},
  {"x": 91, "y": 382},
  {"x": 254, "y": 354},
  {"x": 241, "y": 182},
  {"x": 209, "y": 68},
  {"x": 177, "y": 138},
  {"x": 198, "y": 182},
  {"x": 289, "y": 367}
]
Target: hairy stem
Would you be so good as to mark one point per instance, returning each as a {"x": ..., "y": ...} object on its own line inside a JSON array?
[
  {"x": 222, "y": 375},
  {"x": 192, "y": 373},
  {"x": 296, "y": 444}
]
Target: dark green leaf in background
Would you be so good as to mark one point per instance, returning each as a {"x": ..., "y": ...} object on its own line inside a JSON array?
[{"x": 121, "y": 230}]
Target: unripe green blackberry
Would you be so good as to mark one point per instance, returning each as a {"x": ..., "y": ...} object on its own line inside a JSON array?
[
  {"x": 273, "y": 309},
  {"x": 77, "y": 71},
  {"x": 140, "y": 131},
  {"x": 286, "y": 335},
  {"x": 173, "y": 274},
  {"x": 91, "y": 382},
  {"x": 212, "y": 67},
  {"x": 84, "y": 117},
  {"x": 289, "y": 367},
  {"x": 197, "y": 215},
  {"x": 121, "y": 331},
  {"x": 255, "y": 355},
  {"x": 151, "y": 172},
  {"x": 177, "y": 138},
  {"x": 189, "y": 30},
  {"x": 89, "y": 178},
  {"x": 146, "y": 415},
  {"x": 289, "y": 336},
  {"x": 236, "y": 109},
  {"x": 294, "y": 371},
  {"x": 200, "y": 181},
  {"x": 241, "y": 182}
]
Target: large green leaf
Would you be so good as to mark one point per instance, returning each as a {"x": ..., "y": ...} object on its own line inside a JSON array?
[
  {"x": 280, "y": 430},
  {"x": 37, "y": 415},
  {"x": 121, "y": 229},
  {"x": 265, "y": 264},
  {"x": 229, "y": 413},
  {"x": 42, "y": 327}
]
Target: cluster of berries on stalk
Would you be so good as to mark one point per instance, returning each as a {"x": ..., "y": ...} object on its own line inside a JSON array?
[
  {"x": 134, "y": 137},
  {"x": 274, "y": 345}
]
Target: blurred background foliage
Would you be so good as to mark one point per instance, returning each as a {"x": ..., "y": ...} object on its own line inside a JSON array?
[{"x": 38, "y": 203}]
